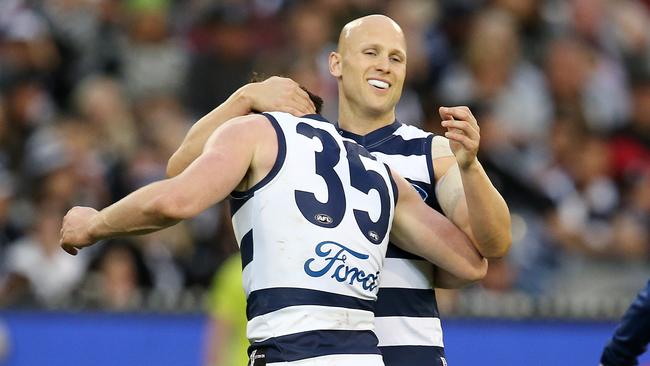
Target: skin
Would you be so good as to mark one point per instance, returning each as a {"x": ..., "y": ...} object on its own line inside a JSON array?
[
  {"x": 373, "y": 47},
  {"x": 369, "y": 48},
  {"x": 273, "y": 94},
  {"x": 238, "y": 155}
]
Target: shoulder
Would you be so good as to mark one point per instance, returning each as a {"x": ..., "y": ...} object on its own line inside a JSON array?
[{"x": 252, "y": 126}]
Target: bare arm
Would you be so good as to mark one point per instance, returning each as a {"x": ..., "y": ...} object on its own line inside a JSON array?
[
  {"x": 273, "y": 94},
  {"x": 465, "y": 187},
  {"x": 423, "y": 231},
  {"x": 221, "y": 167}
]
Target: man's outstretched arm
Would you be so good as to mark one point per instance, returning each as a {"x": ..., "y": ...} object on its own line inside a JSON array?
[
  {"x": 224, "y": 163},
  {"x": 273, "y": 94},
  {"x": 419, "y": 229}
]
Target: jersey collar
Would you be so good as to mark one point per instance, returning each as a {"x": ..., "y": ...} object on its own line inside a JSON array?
[{"x": 373, "y": 138}]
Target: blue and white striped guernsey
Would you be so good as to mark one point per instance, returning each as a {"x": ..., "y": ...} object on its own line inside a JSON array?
[
  {"x": 313, "y": 235},
  {"x": 407, "y": 321}
]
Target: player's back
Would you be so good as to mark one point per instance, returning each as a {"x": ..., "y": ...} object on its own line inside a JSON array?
[
  {"x": 313, "y": 235},
  {"x": 407, "y": 320}
]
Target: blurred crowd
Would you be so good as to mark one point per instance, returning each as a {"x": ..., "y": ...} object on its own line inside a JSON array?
[{"x": 95, "y": 96}]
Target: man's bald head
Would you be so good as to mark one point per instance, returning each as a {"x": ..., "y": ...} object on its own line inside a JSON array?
[{"x": 360, "y": 25}]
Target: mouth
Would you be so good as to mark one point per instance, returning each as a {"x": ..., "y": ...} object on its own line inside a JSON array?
[{"x": 379, "y": 84}]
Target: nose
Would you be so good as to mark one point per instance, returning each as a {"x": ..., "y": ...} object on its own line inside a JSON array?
[{"x": 383, "y": 64}]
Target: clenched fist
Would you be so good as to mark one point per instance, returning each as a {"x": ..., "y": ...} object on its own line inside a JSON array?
[{"x": 75, "y": 230}]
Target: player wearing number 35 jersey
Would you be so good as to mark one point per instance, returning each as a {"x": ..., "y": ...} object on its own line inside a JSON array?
[
  {"x": 312, "y": 214},
  {"x": 313, "y": 237}
]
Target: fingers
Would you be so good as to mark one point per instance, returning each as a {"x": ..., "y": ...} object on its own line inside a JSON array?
[
  {"x": 460, "y": 113},
  {"x": 289, "y": 97},
  {"x": 303, "y": 103},
  {"x": 462, "y": 127},
  {"x": 467, "y": 143}
]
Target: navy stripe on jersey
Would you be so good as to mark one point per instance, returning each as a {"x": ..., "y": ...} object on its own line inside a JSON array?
[
  {"x": 373, "y": 138},
  {"x": 393, "y": 185},
  {"x": 237, "y": 202},
  {"x": 424, "y": 189},
  {"x": 246, "y": 248},
  {"x": 432, "y": 176},
  {"x": 302, "y": 345},
  {"x": 413, "y": 355},
  {"x": 406, "y": 302},
  {"x": 393, "y": 251},
  {"x": 316, "y": 117},
  {"x": 264, "y": 301},
  {"x": 279, "y": 160}
]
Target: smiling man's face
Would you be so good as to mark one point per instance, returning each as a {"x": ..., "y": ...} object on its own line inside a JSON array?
[{"x": 370, "y": 65}]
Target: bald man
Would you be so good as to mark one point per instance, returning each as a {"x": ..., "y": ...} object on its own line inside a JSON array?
[{"x": 370, "y": 68}]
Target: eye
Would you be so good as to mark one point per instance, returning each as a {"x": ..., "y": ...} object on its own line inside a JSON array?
[
  {"x": 396, "y": 59},
  {"x": 370, "y": 52}
]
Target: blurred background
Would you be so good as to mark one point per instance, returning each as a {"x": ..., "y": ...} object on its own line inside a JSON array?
[{"x": 95, "y": 96}]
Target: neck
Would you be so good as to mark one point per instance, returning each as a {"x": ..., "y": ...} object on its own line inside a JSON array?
[{"x": 362, "y": 122}]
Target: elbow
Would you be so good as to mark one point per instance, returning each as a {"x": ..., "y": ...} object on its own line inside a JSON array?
[
  {"x": 478, "y": 272},
  {"x": 497, "y": 247}
]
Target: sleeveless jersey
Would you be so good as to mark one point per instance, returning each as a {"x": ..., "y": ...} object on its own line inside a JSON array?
[
  {"x": 407, "y": 320},
  {"x": 313, "y": 235}
]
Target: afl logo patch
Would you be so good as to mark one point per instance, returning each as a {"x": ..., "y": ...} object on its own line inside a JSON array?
[
  {"x": 323, "y": 218},
  {"x": 373, "y": 236}
]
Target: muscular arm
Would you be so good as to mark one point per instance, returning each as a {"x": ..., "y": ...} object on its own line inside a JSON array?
[
  {"x": 464, "y": 190},
  {"x": 424, "y": 232},
  {"x": 230, "y": 154},
  {"x": 273, "y": 94}
]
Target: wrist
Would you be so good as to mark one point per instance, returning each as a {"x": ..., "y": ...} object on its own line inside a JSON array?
[
  {"x": 471, "y": 166},
  {"x": 243, "y": 99},
  {"x": 95, "y": 227}
]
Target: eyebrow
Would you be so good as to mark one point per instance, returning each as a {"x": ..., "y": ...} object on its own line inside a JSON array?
[{"x": 395, "y": 51}]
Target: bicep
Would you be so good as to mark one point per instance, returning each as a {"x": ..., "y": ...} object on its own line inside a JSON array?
[
  {"x": 222, "y": 165},
  {"x": 414, "y": 221}
]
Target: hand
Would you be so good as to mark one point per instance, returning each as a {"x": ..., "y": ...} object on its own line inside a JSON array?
[
  {"x": 75, "y": 230},
  {"x": 463, "y": 133},
  {"x": 278, "y": 94}
]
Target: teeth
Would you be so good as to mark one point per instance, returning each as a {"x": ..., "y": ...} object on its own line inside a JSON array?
[{"x": 378, "y": 83}]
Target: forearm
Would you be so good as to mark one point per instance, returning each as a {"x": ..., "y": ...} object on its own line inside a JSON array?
[
  {"x": 141, "y": 212},
  {"x": 424, "y": 232},
  {"x": 488, "y": 214},
  {"x": 447, "y": 280},
  {"x": 237, "y": 105}
]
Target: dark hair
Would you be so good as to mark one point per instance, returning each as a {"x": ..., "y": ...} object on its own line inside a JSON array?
[{"x": 317, "y": 100}]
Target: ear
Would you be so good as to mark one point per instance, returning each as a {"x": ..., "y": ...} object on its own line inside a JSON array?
[{"x": 335, "y": 64}]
